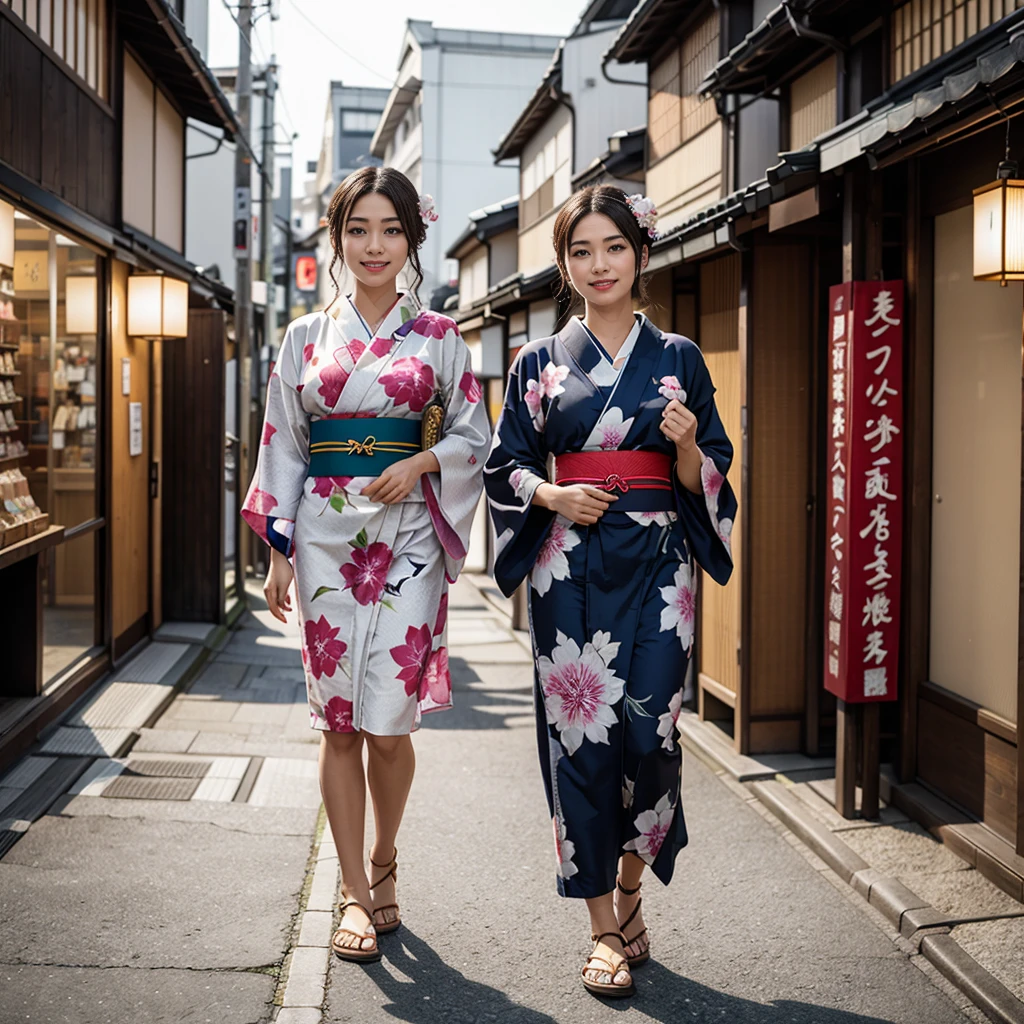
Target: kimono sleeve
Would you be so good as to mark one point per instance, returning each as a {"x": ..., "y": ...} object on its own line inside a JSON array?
[
  {"x": 709, "y": 516},
  {"x": 460, "y": 454},
  {"x": 272, "y": 503},
  {"x": 515, "y": 469}
]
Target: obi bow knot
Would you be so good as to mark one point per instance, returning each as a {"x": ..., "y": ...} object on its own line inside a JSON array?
[
  {"x": 614, "y": 482},
  {"x": 364, "y": 447}
]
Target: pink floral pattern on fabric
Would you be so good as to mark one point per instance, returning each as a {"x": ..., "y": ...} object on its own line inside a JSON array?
[
  {"x": 268, "y": 432},
  {"x": 711, "y": 481},
  {"x": 442, "y": 615},
  {"x": 338, "y": 713},
  {"x": 324, "y": 486},
  {"x": 333, "y": 380},
  {"x": 307, "y": 353},
  {"x": 672, "y": 389},
  {"x": 552, "y": 563},
  {"x": 436, "y": 682},
  {"x": 565, "y": 850},
  {"x": 580, "y": 689},
  {"x": 432, "y": 325},
  {"x": 381, "y": 346},
  {"x": 680, "y": 605},
  {"x": 412, "y": 656},
  {"x": 470, "y": 387},
  {"x": 410, "y": 382},
  {"x": 262, "y": 502},
  {"x": 667, "y": 721},
  {"x": 654, "y": 827},
  {"x": 324, "y": 648},
  {"x": 367, "y": 573},
  {"x": 610, "y": 431}
]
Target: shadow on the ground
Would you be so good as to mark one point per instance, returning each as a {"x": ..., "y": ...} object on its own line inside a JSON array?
[
  {"x": 486, "y": 704},
  {"x": 439, "y": 992}
]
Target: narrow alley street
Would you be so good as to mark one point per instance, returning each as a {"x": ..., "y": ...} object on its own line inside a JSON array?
[{"x": 187, "y": 881}]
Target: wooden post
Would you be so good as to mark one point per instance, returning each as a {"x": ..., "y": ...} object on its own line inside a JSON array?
[
  {"x": 869, "y": 759},
  {"x": 847, "y": 742}
]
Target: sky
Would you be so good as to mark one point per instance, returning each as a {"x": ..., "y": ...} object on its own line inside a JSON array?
[{"x": 358, "y": 43}]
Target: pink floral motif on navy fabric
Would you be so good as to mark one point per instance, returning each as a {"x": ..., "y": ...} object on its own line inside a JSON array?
[
  {"x": 338, "y": 713},
  {"x": 366, "y": 574},
  {"x": 412, "y": 656},
  {"x": 324, "y": 648},
  {"x": 410, "y": 382}
]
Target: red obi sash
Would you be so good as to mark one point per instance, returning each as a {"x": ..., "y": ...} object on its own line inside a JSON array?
[{"x": 641, "y": 480}]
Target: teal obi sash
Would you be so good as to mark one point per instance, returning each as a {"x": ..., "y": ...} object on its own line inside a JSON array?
[{"x": 360, "y": 447}]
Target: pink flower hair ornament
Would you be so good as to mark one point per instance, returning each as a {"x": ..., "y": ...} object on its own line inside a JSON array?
[
  {"x": 427, "y": 211},
  {"x": 645, "y": 212}
]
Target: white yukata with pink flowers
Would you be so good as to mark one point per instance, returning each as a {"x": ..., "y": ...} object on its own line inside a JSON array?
[
  {"x": 371, "y": 580},
  {"x": 612, "y": 606}
]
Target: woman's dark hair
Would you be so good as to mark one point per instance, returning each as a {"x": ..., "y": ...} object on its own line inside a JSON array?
[
  {"x": 399, "y": 189},
  {"x": 611, "y": 201}
]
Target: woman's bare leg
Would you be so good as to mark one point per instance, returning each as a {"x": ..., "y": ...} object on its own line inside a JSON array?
[
  {"x": 631, "y": 869},
  {"x": 390, "y": 766},
  {"x": 343, "y": 787},
  {"x": 602, "y": 919}
]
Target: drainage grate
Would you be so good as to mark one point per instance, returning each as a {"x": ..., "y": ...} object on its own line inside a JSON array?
[
  {"x": 141, "y": 787},
  {"x": 168, "y": 769}
]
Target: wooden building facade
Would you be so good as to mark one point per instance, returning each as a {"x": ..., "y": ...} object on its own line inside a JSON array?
[{"x": 94, "y": 99}]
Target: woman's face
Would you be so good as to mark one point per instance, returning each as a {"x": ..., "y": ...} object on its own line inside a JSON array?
[
  {"x": 600, "y": 261},
  {"x": 373, "y": 245}
]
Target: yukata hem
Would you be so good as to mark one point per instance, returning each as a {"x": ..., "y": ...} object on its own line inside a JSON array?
[{"x": 351, "y": 732}]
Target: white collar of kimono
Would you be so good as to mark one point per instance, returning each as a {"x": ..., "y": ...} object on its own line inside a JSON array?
[
  {"x": 352, "y": 324},
  {"x": 606, "y": 372}
]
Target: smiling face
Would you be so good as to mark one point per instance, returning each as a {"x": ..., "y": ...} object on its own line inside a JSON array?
[
  {"x": 374, "y": 245},
  {"x": 600, "y": 261}
]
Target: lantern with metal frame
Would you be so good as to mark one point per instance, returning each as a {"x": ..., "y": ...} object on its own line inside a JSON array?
[
  {"x": 999, "y": 224},
  {"x": 157, "y": 306}
]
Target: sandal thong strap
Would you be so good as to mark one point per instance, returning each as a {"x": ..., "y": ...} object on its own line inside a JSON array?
[
  {"x": 369, "y": 917},
  {"x": 613, "y": 969}
]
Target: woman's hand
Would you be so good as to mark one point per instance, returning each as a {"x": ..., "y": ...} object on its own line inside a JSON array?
[
  {"x": 279, "y": 581},
  {"x": 581, "y": 503},
  {"x": 679, "y": 425},
  {"x": 398, "y": 480}
]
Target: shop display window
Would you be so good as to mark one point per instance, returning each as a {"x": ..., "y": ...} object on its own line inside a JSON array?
[{"x": 49, "y": 392}]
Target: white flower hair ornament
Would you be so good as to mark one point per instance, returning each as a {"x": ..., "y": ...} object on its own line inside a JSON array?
[
  {"x": 645, "y": 212},
  {"x": 427, "y": 211}
]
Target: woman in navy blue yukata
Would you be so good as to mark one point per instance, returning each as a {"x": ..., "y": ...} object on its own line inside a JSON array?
[{"x": 606, "y": 483}]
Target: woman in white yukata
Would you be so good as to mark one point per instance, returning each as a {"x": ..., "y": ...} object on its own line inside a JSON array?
[{"x": 371, "y": 523}]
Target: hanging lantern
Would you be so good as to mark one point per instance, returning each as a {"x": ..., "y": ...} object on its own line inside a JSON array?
[
  {"x": 80, "y": 304},
  {"x": 999, "y": 224},
  {"x": 157, "y": 306}
]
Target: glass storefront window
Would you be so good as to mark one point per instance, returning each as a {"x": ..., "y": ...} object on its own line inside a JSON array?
[{"x": 49, "y": 393}]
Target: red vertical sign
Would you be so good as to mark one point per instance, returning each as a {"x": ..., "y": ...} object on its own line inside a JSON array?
[{"x": 865, "y": 490}]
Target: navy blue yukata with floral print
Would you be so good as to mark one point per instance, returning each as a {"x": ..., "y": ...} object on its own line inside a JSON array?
[{"x": 611, "y": 605}]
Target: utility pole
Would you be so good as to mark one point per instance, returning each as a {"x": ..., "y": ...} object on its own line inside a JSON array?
[
  {"x": 267, "y": 207},
  {"x": 243, "y": 266}
]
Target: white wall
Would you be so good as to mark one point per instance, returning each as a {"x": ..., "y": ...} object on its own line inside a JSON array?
[
  {"x": 481, "y": 96},
  {"x": 209, "y": 200},
  {"x": 975, "y": 585},
  {"x": 602, "y": 108}
]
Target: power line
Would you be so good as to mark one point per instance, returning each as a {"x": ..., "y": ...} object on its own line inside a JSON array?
[{"x": 309, "y": 21}]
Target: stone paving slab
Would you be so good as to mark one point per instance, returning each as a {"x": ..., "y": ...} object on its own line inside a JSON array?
[
  {"x": 88, "y": 742},
  {"x": 164, "y": 741},
  {"x": 153, "y": 663},
  {"x": 215, "y": 742},
  {"x": 127, "y": 995},
  {"x": 122, "y": 705},
  {"x": 287, "y": 782}
]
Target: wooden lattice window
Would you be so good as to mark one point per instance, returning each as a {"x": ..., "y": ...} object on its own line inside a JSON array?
[
  {"x": 675, "y": 112},
  {"x": 664, "y": 118},
  {"x": 700, "y": 55},
  {"x": 923, "y": 30}
]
